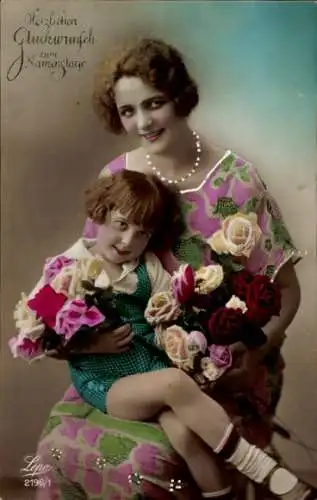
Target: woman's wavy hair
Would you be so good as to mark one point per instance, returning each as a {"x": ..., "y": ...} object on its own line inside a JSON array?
[{"x": 159, "y": 65}]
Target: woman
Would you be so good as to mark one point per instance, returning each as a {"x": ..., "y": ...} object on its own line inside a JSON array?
[{"x": 148, "y": 93}]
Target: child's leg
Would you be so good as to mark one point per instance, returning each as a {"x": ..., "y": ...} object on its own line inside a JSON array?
[
  {"x": 200, "y": 459},
  {"x": 143, "y": 396}
]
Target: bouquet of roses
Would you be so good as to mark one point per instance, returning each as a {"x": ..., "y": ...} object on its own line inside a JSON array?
[
  {"x": 208, "y": 310},
  {"x": 72, "y": 305}
]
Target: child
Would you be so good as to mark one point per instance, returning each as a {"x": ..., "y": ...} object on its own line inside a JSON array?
[{"x": 139, "y": 383}]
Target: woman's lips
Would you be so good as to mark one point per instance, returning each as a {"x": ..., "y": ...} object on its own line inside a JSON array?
[{"x": 153, "y": 136}]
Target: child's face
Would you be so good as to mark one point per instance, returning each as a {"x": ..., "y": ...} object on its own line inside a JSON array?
[{"x": 119, "y": 241}]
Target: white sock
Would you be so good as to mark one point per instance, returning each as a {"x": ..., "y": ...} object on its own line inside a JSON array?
[
  {"x": 257, "y": 465},
  {"x": 217, "y": 494}
]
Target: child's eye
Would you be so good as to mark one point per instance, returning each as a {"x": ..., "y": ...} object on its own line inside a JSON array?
[
  {"x": 120, "y": 224},
  {"x": 144, "y": 234}
]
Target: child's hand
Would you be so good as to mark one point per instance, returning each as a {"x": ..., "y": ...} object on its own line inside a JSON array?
[{"x": 114, "y": 342}]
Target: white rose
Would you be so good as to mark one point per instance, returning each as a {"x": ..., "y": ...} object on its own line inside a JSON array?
[
  {"x": 210, "y": 370},
  {"x": 69, "y": 279},
  {"x": 236, "y": 303},
  {"x": 103, "y": 280},
  {"x": 26, "y": 321},
  {"x": 208, "y": 278}
]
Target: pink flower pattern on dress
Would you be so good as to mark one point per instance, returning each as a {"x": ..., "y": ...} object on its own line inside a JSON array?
[
  {"x": 93, "y": 477},
  {"x": 120, "y": 476}
]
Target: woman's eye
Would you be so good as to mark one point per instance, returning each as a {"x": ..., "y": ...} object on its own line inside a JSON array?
[
  {"x": 156, "y": 104},
  {"x": 126, "y": 113}
]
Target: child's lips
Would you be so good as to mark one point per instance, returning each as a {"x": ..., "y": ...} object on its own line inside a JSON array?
[{"x": 121, "y": 252}]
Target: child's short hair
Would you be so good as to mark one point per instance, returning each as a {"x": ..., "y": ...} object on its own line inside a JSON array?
[
  {"x": 144, "y": 200},
  {"x": 159, "y": 65}
]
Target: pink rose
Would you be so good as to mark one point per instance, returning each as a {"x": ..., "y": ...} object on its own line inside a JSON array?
[
  {"x": 183, "y": 283},
  {"x": 53, "y": 266},
  {"x": 24, "y": 347},
  {"x": 162, "y": 308},
  {"x": 197, "y": 342},
  {"x": 221, "y": 355},
  {"x": 75, "y": 314}
]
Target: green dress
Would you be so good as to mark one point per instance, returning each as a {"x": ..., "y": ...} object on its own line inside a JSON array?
[{"x": 93, "y": 375}]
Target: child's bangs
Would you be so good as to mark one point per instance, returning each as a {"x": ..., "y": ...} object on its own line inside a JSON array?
[{"x": 143, "y": 211}]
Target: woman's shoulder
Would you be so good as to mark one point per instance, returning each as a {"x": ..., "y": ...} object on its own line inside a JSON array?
[
  {"x": 114, "y": 166},
  {"x": 234, "y": 167}
]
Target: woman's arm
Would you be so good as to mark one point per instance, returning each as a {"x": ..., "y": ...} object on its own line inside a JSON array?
[{"x": 291, "y": 295}]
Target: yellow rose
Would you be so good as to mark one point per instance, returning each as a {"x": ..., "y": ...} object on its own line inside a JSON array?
[
  {"x": 208, "y": 278},
  {"x": 238, "y": 236},
  {"x": 162, "y": 308},
  {"x": 90, "y": 268},
  {"x": 176, "y": 347},
  {"x": 26, "y": 321}
]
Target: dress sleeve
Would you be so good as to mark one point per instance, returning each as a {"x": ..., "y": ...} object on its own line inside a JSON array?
[
  {"x": 276, "y": 245},
  {"x": 90, "y": 228}
]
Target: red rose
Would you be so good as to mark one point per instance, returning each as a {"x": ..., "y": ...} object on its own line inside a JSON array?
[
  {"x": 46, "y": 304},
  {"x": 240, "y": 282},
  {"x": 183, "y": 283},
  {"x": 225, "y": 326},
  {"x": 263, "y": 300}
]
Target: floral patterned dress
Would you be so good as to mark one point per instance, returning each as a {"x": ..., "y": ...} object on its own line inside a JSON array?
[{"x": 92, "y": 454}]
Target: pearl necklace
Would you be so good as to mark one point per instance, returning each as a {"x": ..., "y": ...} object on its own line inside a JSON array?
[{"x": 185, "y": 177}]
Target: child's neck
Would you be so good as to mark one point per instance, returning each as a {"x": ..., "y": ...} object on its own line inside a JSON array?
[{"x": 114, "y": 271}]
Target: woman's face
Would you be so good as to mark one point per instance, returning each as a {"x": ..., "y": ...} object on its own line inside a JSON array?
[{"x": 146, "y": 113}]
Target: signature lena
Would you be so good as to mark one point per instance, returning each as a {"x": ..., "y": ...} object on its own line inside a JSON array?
[{"x": 33, "y": 467}]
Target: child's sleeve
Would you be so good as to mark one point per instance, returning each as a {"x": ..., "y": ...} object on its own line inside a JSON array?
[{"x": 160, "y": 279}]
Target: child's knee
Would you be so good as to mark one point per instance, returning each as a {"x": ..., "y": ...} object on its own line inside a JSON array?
[{"x": 179, "y": 386}]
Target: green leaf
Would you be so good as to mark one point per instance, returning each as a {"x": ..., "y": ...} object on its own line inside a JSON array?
[
  {"x": 281, "y": 235},
  {"x": 227, "y": 163},
  {"x": 268, "y": 245},
  {"x": 225, "y": 206},
  {"x": 52, "y": 422},
  {"x": 270, "y": 270},
  {"x": 218, "y": 182},
  {"x": 244, "y": 176},
  {"x": 252, "y": 205}
]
